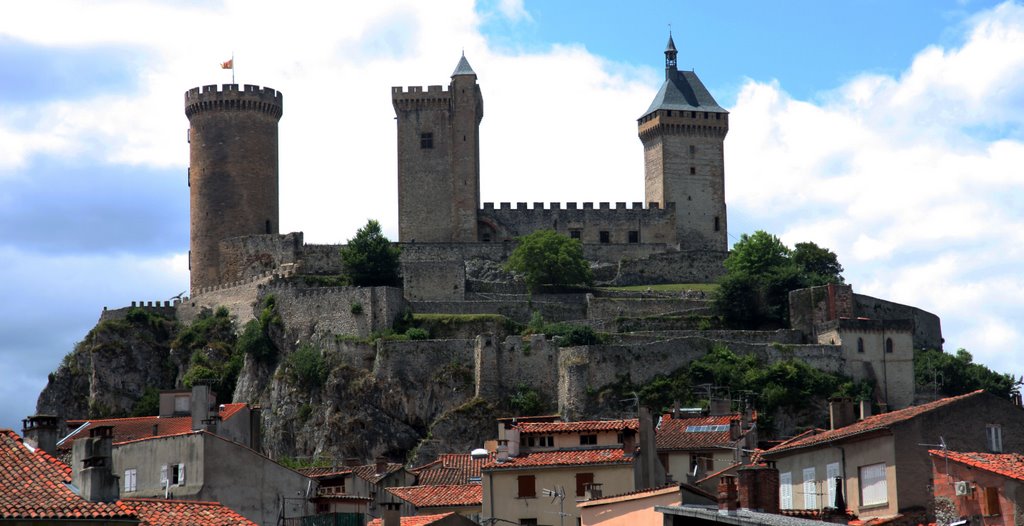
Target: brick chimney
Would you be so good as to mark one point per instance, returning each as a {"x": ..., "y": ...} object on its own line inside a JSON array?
[
  {"x": 351, "y": 462},
  {"x": 759, "y": 488},
  {"x": 727, "y": 495},
  {"x": 92, "y": 461},
  {"x": 628, "y": 441},
  {"x": 381, "y": 465},
  {"x": 391, "y": 515},
  {"x": 840, "y": 412},
  {"x": 40, "y": 432},
  {"x": 735, "y": 429}
]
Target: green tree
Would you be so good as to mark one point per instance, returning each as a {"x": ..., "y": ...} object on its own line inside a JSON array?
[
  {"x": 758, "y": 254},
  {"x": 819, "y": 265},
  {"x": 370, "y": 258},
  {"x": 546, "y": 257},
  {"x": 956, "y": 374}
]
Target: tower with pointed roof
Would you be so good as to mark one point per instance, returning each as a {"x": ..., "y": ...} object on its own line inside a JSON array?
[
  {"x": 439, "y": 159},
  {"x": 683, "y": 133}
]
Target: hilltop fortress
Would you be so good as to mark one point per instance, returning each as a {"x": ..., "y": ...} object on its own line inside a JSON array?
[{"x": 453, "y": 247}]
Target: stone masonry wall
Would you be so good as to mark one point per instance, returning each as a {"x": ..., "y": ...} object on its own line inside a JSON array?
[
  {"x": 649, "y": 225},
  {"x": 162, "y": 308},
  {"x": 320, "y": 313},
  {"x": 238, "y": 297},
  {"x": 927, "y": 326}
]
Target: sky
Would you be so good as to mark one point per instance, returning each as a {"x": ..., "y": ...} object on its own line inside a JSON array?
[{"x": 889, "y": 132}]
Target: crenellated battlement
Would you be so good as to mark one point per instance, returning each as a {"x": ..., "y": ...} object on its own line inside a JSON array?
[
  {"x": 688, "y": 123},
  {"x": 285, "y": 271},
  {"x": 619, "y": 206},
  {"x": 434, "y": 97},
  {"x": 230, "y": 98}
]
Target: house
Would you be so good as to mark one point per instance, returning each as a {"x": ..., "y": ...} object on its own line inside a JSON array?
[
  {"x": 883, "y": 459},
  {"x": 984, "y": 488},
  {"x": 636, "y": 508},
  {"x": 451, "y": 468},
  {"x": 691, "y": 447},
  {"x": 36, "y": 489},
  {"x": 464, "y": 499},
  {"x": 360, "y": 488},
  {"x": 331, "y": 497}
]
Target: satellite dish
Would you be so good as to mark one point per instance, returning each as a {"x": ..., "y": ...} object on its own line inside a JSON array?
[{"x": 479, "y": 453}]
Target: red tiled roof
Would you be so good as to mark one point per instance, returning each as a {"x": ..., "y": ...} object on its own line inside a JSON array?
[
  {"x": 369, "y": 472},
  {"x": 535, "y": 428},
  {"x": 1010, "y": 465},
  {"x": 134, "y": 428},
  {"x": 451, "y": 468},
  {"x": 870, "y": 424},
  {"x": 441, "y": 495},
  {"x": 672, "y": 433},
  {"x": 160, "y": 512},
  {"x": 418, "y": 520},
  {"x": 563, "y": 457},
  {"x": 325, "y": 472},
  {"x": 440, "y": 475},
  {"x": 34, "y": 485}
]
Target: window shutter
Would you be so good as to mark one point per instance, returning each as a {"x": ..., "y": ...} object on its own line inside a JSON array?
[
  {"x": 991, "y": 501},
  {"x": 786, "y": 491},
  {"x": 181, "y": 474},
  {"x": 831, "y": 472},
  {"x": 582, "y": 480},
  {"x": 810, "y": 490},
  {"x": 527, "y": 486},
  {"x": 163, "y": 475},
  {"x": 873, "y": 485}
]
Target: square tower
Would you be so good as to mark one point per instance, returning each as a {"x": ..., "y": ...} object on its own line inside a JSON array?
[{"x": 439, "y": 159}]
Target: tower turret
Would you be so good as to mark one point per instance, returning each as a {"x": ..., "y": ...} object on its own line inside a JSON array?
[
  {"x": 439, "y": 159},
  {"x": 233, "y": 170},
  {"x": 683, "y": 133}
]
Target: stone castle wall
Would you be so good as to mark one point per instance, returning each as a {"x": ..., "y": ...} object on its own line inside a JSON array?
[
  {"x": 164, "y": 308},
  {"x": 238, "y": 297},
  {"x": 652, "y": 225},
  {"x": 321, "y": 313}
]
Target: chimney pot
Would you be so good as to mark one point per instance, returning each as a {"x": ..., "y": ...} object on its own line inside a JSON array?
[
  {"x": 727, "y": 495},
  {"x": 840, "y": 411}
]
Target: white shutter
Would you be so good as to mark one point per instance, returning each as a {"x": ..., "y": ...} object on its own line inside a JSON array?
[
  {"x": 873, "y": 488},
  {"x": 810, "y": 499},
  {"x": 181, "y": 474},
  {"x": 163, "y": 475},
  {"x": 832, "y": 472},
  {"x": 786, "y": 491}
]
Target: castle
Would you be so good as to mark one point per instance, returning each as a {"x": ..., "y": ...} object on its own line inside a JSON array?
[{"x": 678, "y": 235}]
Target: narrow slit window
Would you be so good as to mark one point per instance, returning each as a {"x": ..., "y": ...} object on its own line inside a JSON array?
[{"x": 427, "y": 141}]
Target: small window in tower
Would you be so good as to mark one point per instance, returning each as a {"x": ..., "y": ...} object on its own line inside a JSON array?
[
  {"x": 606, "y": 237},
  {"x": 693, "y": 114},
  {"x": 575, "y": 233},
  {"x": 693, "y": 149},
  {"x": 268, "y": 226},
  {"x": 888, "y": 345},
  {"x": 705, "y": 114},
  {"x": 718, "y": 226},
  {"x": 860, "y": 344},
  {"x": 669, "y": 113},
  {"x": 188, "y": 177},
  {"x": 693, "y": 170},
  {"x": 427, "y": 141},
  {"x": 634, "y": 236}
]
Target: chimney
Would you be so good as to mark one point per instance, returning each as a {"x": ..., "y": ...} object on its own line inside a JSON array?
[
  {"x": 593, "y": 491},
  {"x": 256, "y": 428},
  {"x": 513, "y": 441},
  {"x": 40, "y": 432},
  {"x": 720, "y": 407},
  {"x": 502, "y": 451},
  {"x": 628, "y": 442},
  {"x": 727, "y": 498},
  {"x": 92, "y": 458},
  {"x": 381, "y": 465},
  {"x": 647, "y": 471},
  {"x": 199, "y": 407},
  {"x": 391, "y": 515},
  {"x": 735, "y": 431},
  {"x": 865, "y": 409},
  {"x": 352, "y": 462},
  {"x": 840, "y": 412},
  {"x": 759, "y": 488}
]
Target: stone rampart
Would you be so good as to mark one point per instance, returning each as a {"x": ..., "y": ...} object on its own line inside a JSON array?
[
  {"x": 247, "y": 257},
  {"x": 927, "y": 326},
  {"x": 319, "y": 313},
  {"x": 610, "y": 308},
  {"x": 238, "y": 297},
  {"x": 519, "y": 311},
  {"x": 165, "y": 308},
  {"x": 590, "y": 223},
  {"x": 688, "y": 266},
  {"x": 412, "y": 362},
  {"x": 321, "y": 259}
]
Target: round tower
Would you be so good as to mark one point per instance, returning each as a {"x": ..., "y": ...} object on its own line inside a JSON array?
[{"x": 232, "y": 176}]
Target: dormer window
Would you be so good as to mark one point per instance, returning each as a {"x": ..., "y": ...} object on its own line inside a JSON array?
[{"x": 588, "y": 440}]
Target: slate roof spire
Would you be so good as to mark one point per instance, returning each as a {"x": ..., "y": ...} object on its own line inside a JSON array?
[
  {"x": 670, "y": 57},
  {"x": 682, "y": 90},
  {"x": 463, "y": 68}
]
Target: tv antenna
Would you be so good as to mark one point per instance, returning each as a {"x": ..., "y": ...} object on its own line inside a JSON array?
[{"x": 559, "y": 494}]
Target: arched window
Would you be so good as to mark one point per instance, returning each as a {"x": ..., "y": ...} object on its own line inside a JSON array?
[
  {"x": 888, "y": 345},
  {"x": 860, "y": 344}
]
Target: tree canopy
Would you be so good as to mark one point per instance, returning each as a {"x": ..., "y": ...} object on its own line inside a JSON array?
[
  {"x": 955, "y": 374},
  {"x": 546, "y": 257},
  {"x": 370, "y": 258},
  {"x": 761, "y": 271}
]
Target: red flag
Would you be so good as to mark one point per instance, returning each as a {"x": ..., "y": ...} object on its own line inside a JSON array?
[{"x": 228, "y": 65}]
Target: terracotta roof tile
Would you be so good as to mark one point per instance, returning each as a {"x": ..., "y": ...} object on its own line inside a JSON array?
[
  {"x": 369, "y": 472},
  {"x": 563, "y": 457},
  {"x": 673, "y": 434},
  {"x": 418, "y": 520},
  {"x": 134, "y": 428},
  {"x": 440, "y": 475},
  {"x": 34, "y": 485},
  {"x": 1010, "y": 465},
  {"x": 325, "y": 472},
  {"x": 441, "y": 495},
  {"x": 160, "y": 512},
  {"x": 537, "y": 428},
  {"x": 870, "y": 424},
  {"x": 451, "y": 468}
]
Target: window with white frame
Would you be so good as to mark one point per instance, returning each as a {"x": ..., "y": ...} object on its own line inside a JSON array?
[
  {"x": 831, "y": 474},
  {"x": 129, "y": 479},
  {"x": 786, "y": 490},
  {"x": 873, "y": 488},
  {"x": 810, "y": 490},
  {"x": 994, "y": 433},
  {"x": 172, "y": 475}
]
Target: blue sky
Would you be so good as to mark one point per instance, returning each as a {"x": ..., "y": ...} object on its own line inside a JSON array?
[{"x": 887, "y": 131}]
